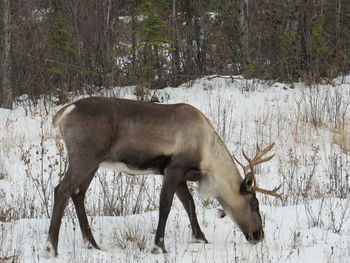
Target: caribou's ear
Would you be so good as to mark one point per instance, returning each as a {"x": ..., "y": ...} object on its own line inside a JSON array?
[{"x": 247, "y": 184}]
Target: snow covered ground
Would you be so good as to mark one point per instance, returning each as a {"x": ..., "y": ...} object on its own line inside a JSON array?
[{"x": 310, "y": 126}]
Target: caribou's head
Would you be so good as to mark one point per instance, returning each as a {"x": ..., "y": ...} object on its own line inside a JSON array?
[{"x": 244, "y": 209}]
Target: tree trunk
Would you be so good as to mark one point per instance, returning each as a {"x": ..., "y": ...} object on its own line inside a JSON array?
[
  {"x": 175, "y": 46},
  {"x": 107, "y": 61},
  {"x": 243, "y": 20},
  {"x": 133, "y": 37},
  {"x": 304, "y": 37},
  {"x": 5, "y": 88}
]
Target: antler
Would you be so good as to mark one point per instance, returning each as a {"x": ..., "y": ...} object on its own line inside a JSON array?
[
  {"x": 255, "y": 161},
  {"x": 269, "y": 192}
]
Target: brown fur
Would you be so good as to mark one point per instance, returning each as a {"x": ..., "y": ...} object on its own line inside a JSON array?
[{"x": 175, "y": 140}]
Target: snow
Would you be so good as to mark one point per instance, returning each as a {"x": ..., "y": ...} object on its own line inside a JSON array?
[{"x": 310, "y": 224}]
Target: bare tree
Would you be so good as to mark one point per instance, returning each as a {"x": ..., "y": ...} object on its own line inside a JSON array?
[
  {"x": 63, "y": 45},
  {"x": 5, "y": 85}
]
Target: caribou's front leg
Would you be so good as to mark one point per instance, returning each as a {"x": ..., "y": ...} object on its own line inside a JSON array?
[
  {"x": 187, "y": 200},
  {"x": 172, "y": 177}
]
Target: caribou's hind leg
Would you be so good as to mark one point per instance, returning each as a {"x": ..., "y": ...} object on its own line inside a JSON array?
[
  {"x": 186, "y": 199},
  {"x": 78, "y": 200},
  {"x": 61, "y": 197},
  {"x": 76, "y": 174}
]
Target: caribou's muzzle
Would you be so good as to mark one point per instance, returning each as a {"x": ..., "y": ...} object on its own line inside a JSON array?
[{"x": 255, "y": 237}]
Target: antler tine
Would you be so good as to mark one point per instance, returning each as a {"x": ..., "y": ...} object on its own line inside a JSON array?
[
  {"x": 238, "y": 162},
  {"x": 245, "y": 168},
  {"x": 256, "y": 162},
  {"x": 251, "y": 166},
  {"x": 270, "y": 192},
  {"x": 262, "y": 152}
]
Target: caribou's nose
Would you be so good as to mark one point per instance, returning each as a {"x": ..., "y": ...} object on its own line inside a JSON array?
[
  {"x": 259, "y": 235},
  {"x": 255, "y": 237}
]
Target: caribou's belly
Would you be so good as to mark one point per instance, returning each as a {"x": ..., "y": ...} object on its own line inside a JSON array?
[{"x": 129, "y": 169}]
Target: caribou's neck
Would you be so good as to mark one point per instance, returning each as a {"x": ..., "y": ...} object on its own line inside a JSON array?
[{"x": 221, "y": 177}]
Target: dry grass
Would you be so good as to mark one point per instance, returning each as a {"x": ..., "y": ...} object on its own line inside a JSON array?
[
  {"x": 131, "y": 235},
  {"x": 341, "y": 137},
  {"x": 299, "y": 165}
]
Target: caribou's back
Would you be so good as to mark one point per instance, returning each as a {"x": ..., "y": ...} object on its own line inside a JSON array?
[{"x": 141, "y": 135}]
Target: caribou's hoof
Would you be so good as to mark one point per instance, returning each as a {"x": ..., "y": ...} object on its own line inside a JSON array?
[
  {"x": 202, "y": 240},
  {"x": 49, "y": 251},
  {"x": 158, "y": 250},
  {"x": 89, "y": 245}
]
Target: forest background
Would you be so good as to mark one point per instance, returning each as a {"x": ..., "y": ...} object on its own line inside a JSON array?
[{"x": 51, "y": 47}]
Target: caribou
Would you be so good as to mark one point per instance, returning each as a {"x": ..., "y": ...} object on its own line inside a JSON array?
[{"x": 176, "y": 141}]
